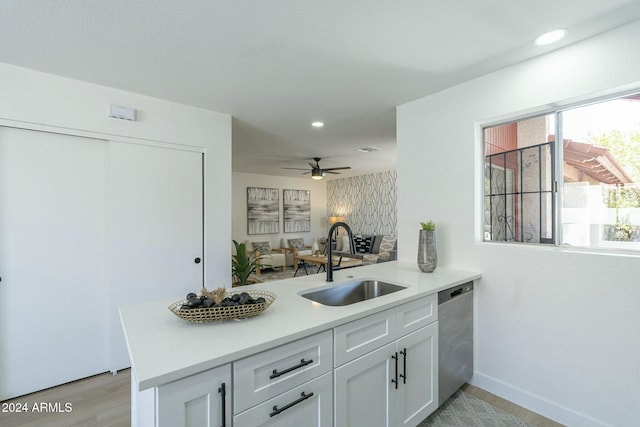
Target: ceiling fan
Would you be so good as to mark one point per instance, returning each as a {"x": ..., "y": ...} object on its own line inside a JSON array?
[{"x": 317, "y": 172}]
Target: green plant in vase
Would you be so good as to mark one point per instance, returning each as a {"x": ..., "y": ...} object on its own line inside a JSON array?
[
  {"x": 243, "y": 265},
  {"x": 429, "y": 226},
  {"x": 427, "y": 254}
]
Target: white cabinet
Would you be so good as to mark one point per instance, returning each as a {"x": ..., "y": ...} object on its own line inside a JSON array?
[
  {"x": 201, "y": 400},
  {"x": 267, "y": 374},
  {"x": 416, "y": 314},
  {"x": 309, "y": 405},
  {"x": 379, "y": 370},
  {"x": 396, "y": 384},
  {"x": 360, "y": 337},
  {"x": 155, "y": 230},
  {"x": 290, "y": 385},
  {"x": 417, "y": 375},
  {"x": 364, "y": 394},
  {"x": 52, "y": 259}
]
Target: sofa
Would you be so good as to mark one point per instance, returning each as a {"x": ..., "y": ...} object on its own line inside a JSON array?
[{"x": 371, "y": 249}]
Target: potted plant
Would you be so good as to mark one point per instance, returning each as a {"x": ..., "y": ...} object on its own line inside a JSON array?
[
  {"x": 428, "y": 226},
  {"x": 427, "y": 256},
  {"x": 243, "y": 265}
]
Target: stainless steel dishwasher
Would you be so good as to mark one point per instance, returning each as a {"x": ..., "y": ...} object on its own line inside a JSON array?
[{"x": 455, "y": 339}]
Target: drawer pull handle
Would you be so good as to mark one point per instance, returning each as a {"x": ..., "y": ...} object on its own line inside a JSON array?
[
  {"x": 303, "y": 397},
  {"x": 302, "y": 363},
  {"x": 395, "y": 380},
  {"x": 223, "y": 392},
  {"x": 404, "y": 366}
]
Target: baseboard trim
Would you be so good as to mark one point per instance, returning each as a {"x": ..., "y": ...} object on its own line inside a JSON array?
[{"x": 532, "y": 402}]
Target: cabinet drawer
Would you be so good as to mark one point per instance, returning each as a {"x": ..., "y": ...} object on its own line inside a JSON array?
[
  {"x": 310, "y": 404},
  {"x": 360, "y": 337},
  {"x": 267, "y": 374},
  {"x": 416, "y": 314}
]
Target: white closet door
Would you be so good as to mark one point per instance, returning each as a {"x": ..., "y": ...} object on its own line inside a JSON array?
[
  {"x": 155, "y": 230},
  {"x": 52, "y": 260}
]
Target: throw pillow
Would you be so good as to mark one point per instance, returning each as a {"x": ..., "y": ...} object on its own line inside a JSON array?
[
  {"x": 323, "y": 245},
  {"x": 263, "y": 248},
  {"x": 296, "y": 243},
  {"x": 386, "y": 247},
  {"x": 363, "y": 244},
  {"x": 375, "y": 246}
]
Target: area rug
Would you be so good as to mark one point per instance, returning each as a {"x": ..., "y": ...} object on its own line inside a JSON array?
[{"x": 465, "y": 410}]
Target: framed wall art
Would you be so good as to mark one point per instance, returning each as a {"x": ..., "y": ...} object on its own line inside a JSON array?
[
  {"x": 263, "y": 210},
  {"x": 297, "y": 210}
]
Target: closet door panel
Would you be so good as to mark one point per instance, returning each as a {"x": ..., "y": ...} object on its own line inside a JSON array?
[
  {"x": 155, "y": 229},
  {"x": 52, "y": 259}
]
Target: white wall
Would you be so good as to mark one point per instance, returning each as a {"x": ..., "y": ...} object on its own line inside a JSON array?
[
  {"x": 318, "y": 193},
  {"x": 557, "y": 331},
  {"x": 36, "y": 100}
]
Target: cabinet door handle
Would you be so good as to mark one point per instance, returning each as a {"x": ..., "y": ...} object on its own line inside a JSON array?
[
  {"x": 404, "y": 366},
  {"x": 277, "y": 410},
  {"x": 395, "y": 381},
  {"x": 223, "y": 392},
  {"x": 302, "y": 363}
]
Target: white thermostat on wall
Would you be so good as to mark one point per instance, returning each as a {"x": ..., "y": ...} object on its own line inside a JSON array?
[{"x": 125, "y": 113}]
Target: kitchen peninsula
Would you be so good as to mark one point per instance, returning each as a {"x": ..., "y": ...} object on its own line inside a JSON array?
[{"x": 215, "y": 366}]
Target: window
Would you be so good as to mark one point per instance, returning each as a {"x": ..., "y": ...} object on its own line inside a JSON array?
[
  {"x": 519, "y": 182},
  {"x": 591, "y": 153}
]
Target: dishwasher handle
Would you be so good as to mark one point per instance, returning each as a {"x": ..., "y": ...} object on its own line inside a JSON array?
[{"x": 454, "y": 292}]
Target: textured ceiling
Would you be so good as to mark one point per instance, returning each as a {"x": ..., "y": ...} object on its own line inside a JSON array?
[{"x": 277, "y": 66}]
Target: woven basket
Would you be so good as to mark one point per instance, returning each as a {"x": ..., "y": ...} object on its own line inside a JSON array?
[{"x": 203, "y": 315}]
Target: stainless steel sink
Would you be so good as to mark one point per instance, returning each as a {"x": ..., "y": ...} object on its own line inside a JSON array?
[{"x": 352, "y": 292}]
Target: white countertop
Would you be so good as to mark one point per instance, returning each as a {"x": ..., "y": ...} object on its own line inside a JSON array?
[{"x": 165, "y": 348}]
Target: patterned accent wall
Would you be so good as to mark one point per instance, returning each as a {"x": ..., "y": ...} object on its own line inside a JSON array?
[{"x": 368, "y": 202}]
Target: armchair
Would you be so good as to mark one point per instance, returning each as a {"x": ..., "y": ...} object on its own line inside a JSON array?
[
  {"x": 268, "y": 257},
  {"x": 293, "y": 248}
]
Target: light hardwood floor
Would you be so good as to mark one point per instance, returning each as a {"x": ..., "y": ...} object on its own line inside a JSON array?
[
  {"x": 100, "y": 401},
  {"x": 104, "y": 401}
]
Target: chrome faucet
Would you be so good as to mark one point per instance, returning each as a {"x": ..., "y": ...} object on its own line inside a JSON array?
[{"x": 330, "y": 249}]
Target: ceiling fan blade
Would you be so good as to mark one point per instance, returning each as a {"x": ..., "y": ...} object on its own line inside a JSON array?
[
  {"x": 297, "y": 169},
  {"x": 335, "y": 173},
  {"x": 316, "y": 166},
  {"x": 334, "y": 169}
]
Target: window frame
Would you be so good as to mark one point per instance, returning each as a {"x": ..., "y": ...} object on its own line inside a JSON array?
[
  {"x": 557, "y": 169},
  {"x": 519, "y": 195}
]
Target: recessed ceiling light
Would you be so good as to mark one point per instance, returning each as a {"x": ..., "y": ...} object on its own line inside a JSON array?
[
  {"x": 317, "y": 124},
  {"x": 550, "y": 37},
  {"x": 367, "y": 149}
]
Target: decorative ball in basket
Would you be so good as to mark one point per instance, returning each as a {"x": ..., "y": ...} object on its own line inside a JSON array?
[{"x": 211, "y": 306}]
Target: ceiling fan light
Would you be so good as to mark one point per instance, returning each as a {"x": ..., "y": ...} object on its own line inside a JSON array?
[{"x": 316, "y": 174}]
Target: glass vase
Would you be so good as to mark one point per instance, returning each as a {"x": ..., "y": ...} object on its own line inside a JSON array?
[{"x": 427, "y": 256}]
